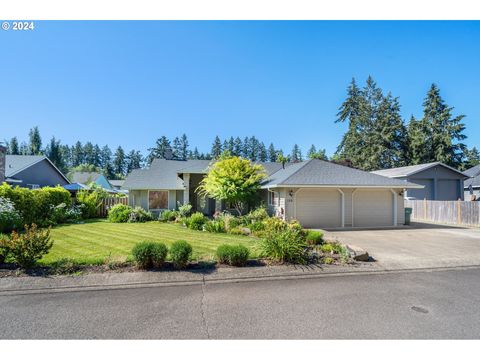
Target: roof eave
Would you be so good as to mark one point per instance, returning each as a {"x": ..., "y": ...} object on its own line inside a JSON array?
[{"x": 406, "y": 186}]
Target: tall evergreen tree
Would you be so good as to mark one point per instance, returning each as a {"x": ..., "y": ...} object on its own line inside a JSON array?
[
  {"x": 472, "y": 158},
  {"x": 262, "y": 152},
  {"x": 119, "y": 164},
  {"x": 13, "y": 148},
  {"x": 106, "y": 161},
  {"x": 66, "y": 156},
  {"x": 88, "y": 153},
  {"x": 96, "y": 156},
  {"x": 216, "y": 148},
  {"x": 272, "y": 153},
  {"x": 77, "y": 154},
  {"x": 195, "y": 154},
  {"x": 35, "y": 141},
  {"x": 312, "y": 152},
  {"x": 231, "y": 146},
  {"x": 184, "y": 147},
  {"x": 176, "y": 148},
  {"x": 24, "y": 148},
  {"x": 162, "y": 146},
  {"x": 238, "y": 147},
  {"x": 246, "y": 147},
  {"x": 296, "y": 154},
  {"x": 134, "y": 161},
  {"x": 54, "y": 153}
]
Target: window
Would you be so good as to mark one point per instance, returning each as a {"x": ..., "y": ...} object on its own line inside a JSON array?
[
  {"x": 34, "y": 186},
  {"x": 157, "y": 200},
  {"x": 273, "y": 198}
]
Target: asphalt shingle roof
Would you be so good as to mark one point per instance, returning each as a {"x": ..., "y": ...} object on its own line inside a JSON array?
[
  {"x": 324, "y": 173},
  {"x": 474, "y": 173},
  {"x": 16, "y": 163},
  {"x": 410, "y": 170}
]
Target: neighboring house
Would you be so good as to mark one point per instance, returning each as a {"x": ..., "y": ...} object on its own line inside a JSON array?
[
  {"x": 319, "y": 194},
  {"x": 473, "y": 183},
  {"x": 116, "y": 184},
  {"x": 85, "y": 178},
  {"x": 30, "y": 171},
  {"x": 440, "y": 181}
]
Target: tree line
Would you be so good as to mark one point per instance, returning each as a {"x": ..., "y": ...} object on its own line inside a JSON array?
[{"x": 377, "y": 137}]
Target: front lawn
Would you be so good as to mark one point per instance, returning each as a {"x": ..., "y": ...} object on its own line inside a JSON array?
[{"x": 93, "y": 242}]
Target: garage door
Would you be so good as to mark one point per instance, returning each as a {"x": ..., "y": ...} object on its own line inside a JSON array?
[
  {"x": 319, "y": 208},
  {"x": 372, "y": 208},
  {"x": 420, "y": 194}
]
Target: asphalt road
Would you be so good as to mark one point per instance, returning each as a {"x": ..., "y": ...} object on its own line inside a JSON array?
[{"x": 419, "y": 305}]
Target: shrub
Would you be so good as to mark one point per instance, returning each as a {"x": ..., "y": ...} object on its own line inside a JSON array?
[
  {"x": 29, "y": 247},
  {"x": 91, "y": 201},
  {"x": 138, "y": 214},
  {"x": 328, "y": 260},
  {"x": 332, "y": 248},
  {"x": 214, "y": 226},
  {"x": 235, "y": 255},
  {"x": 148, "y": 254},
  {"x": 195, "y": 221},
  {"x": 10, "y": 218},
  {"x": 4, "y": 239},
  {"x": 287, "y": 245},
  {"x": 230, "y": 221},
  {"x": 257, "y": 226},
  {"x": 238, "y": 231},
  {"x": 168, "y": 215},
  {"x": 180, "y": 252},
  {"x": 184, "y": 210},
  {"x": 314, "y": 237},
  {"x": 119, "y": 213},
  {"x": 255, "y": 216}
]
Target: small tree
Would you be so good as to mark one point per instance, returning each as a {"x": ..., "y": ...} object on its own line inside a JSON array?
[{"x": 232, "y": 179}]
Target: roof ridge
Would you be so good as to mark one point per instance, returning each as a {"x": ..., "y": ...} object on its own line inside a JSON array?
[{"x": 301, "y": 167}]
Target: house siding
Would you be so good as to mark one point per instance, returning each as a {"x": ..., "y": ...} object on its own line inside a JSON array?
[{"x": 42, "y": 174}]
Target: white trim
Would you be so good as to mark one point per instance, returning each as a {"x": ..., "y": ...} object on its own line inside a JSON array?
[
  {"x": 343, "y": 207},
  {"x": 353, "y": 207},
  {"x": 395, "y": 210},
  {"x": 148, "y": 199},
  {"x": 406, "y": 186},
  {"x": 428, "y": 166}
]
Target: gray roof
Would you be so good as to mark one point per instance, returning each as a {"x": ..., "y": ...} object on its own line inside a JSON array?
[
  {"x": 474, "y": 180},
  {"x": 324, "y": 173},
  {"x": 84, "y": 177},
  {"x": 411, "y": 170},
  {"x": 17, "y": 163},
  {"x": 116, "y": 182},
  {"x": 163, "y": 174}
]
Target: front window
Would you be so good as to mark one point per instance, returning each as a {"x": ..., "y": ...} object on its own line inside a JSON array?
[
  {"x": 273, "y": 198},
  {"x": 157, "y": 200}
]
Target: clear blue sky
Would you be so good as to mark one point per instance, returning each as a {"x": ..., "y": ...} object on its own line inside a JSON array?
[{"x": 129, "y": 83}]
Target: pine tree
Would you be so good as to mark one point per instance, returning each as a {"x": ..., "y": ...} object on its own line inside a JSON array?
[
  {"x": 162, "y": 146},
  {"x": 472, "y": 158},
  {"x": 88, "y": 153},
  {"x": 184, "y": 147},
  {"x": 246, "y": 147},
  {"x": 35, "y": 144},
  {"x": 96, "y": 160},
  {"x": 216, "y": 148},
  {"x": 253, "y": 145},
  {"x": 231, "y": 146},
  {"x": 296, "y": 154},
  {"x": 54, "y": 154},
  {"x": 66, "y": 154},
  {"x": 119, "y": 162},
  {"x": 13, "y": 148},
  {"x": 238, "y": 147},
  {"x": 195, "y": 154},
  {"x": 77, "y": 154},
  {"x": 134, "y": 161},
  {"x": 24, "y": 148},
  {"x": 312, "y": 152},
  {"x": 272, "y": 153},
  {"x": 176, "y": 149},
  {"x": 106, "y": 161},
  {"x": 262, "y": 152}
]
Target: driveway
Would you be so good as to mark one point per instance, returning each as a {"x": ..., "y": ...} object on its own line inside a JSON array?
[{"x": 420, "y": 245}]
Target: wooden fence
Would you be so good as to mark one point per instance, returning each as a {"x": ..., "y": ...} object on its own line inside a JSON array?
[
  {"x": 109, "y": 202},
  {"x": 446, "y": 212}
]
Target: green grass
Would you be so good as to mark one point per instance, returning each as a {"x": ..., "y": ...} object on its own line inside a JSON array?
[{"x": 93, "y": 242}]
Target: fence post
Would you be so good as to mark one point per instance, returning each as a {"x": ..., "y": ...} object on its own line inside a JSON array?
[
  {"x": 424, "y": 208},
  {"x": 459, "y": 213}
]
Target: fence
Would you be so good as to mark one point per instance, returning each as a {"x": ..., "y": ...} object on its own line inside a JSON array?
[
  {"x": 447, "y": 212},
  {"x": 109, "y": 202}
]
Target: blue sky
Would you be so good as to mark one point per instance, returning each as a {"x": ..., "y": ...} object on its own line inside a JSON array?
[{"x": 130, "y": 82}]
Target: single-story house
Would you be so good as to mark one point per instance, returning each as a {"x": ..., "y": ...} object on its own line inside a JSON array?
[
  {"x": 440, "y": 181},
  {"x": 319, "y": 194},
  {"x": 30, "y": 171},
  {"x": 471, "y": 186},
  {"x": 85, "y": 178},
  {"x": 116, "y": 184}
]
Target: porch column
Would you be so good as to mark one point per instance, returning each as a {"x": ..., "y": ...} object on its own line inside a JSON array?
[
  {"x": 343, "y": 207},
  {"x": 395, "y": 216},
  {"x": 186, "y": 192}
]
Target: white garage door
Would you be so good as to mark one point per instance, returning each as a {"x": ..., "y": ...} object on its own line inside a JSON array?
[
  {"x": 372, "y": 208},
  {"x": 319, "y": 208}
]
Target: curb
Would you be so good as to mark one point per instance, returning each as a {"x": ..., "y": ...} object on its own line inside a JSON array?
[{"x": 205, "y": 281}]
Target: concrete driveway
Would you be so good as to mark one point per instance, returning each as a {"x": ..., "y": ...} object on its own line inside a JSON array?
[{"x": 420, "y": 245}]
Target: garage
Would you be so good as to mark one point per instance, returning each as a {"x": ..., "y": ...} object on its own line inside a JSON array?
[
  {"x": 372, "y": 208},
  {"x": 319, "y": 208}
]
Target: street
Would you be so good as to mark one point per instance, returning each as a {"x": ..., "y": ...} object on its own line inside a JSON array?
[{"x": 415, "y": 305}]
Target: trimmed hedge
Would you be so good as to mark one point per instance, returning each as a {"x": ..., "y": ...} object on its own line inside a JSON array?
[
  {"x": 149, "y": 254},
  {"x": 180, "y": 252},
  {"x": 235, "y": 255}
]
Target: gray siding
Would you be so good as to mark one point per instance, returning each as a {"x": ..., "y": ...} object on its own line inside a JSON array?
[{"x": 42, "y": 174}]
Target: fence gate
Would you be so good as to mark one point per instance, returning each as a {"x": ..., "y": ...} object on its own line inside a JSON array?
[{"x": 109, "y": 202}]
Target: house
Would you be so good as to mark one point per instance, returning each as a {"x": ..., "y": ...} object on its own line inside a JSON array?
[
  {"x": 440, "y": 181},
  {"x": 471, "y": 186},
  {"x": 116, "y": 184},
  {"x": 30, "y": 171},
  {"x": 85, "y": 178},
  {"x": 319, "y": 194}
]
